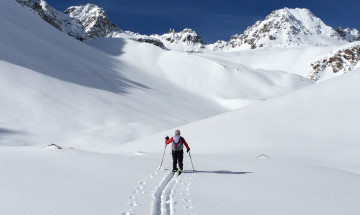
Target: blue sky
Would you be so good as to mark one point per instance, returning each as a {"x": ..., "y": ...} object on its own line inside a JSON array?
[{"x": 212, "y": 19}]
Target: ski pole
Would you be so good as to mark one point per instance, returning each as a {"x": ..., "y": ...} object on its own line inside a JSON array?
[
  {"x": 163, "y": 157},
  {"x": 191, "y": 162}
]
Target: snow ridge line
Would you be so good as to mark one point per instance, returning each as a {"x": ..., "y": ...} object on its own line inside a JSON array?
[
  {"x": 167, "y": 201},
  {"x": 156, "y": 207}
]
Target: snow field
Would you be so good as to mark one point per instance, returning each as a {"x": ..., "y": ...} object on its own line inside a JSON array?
[{"x": 110, "y": 102}]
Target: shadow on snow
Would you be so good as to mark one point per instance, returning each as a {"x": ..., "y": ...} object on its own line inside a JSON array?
[{"x": 225, "y": 172}]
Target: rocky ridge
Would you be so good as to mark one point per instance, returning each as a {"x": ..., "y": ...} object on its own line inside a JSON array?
[
  {"x": 186, "y": 37},
  {"x": 339, "y": 61},
  {"x": 348, "y": 34},
  {"x": 59, "y": 20},
  {"x": 84, "y": 22},
  {"x": 186, "y": 40}
]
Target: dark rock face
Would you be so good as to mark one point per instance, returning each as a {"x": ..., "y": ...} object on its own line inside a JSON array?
[
  {"x": 340, "y": 61},
  {"x": 191, "y": 36},
  {"x": 348, "y": 34},
  {"x": 155, "y": 42}
]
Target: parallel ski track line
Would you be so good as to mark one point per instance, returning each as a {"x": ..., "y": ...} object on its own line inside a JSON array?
[
  {"x": 157, "y": 203},
  {"x": 167, "y": 200}
]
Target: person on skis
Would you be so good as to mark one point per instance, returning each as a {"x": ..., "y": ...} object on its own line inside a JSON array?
[{"x": 177, "y": 145}]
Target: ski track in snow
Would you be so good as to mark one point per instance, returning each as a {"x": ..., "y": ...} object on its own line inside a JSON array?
[
  {"x": 167, "y": 202},
  {"x": 159, "y": 203},
  {"x": 171, "y": 196}
]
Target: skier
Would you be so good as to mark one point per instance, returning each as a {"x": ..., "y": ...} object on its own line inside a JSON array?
[{"x": 178, "y": 143}]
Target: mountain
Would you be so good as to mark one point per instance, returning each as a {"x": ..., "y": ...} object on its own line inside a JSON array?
[
  {"x": 339, "y": 61},
  {"x": 282, "y": 28},
  {"x": 285, "y": 28}
]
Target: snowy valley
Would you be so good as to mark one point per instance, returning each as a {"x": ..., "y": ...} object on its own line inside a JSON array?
[{"x": 271, "y": 116}]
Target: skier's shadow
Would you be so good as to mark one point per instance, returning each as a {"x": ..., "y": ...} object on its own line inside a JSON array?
[{"x": 225, "y": 172}]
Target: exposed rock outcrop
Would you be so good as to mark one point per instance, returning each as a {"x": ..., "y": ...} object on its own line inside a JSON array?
[{"x": 338, "y": 62}]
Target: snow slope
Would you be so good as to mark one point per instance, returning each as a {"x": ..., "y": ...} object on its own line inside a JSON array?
[
  {"x": 229, "y": 84},
  {"x": 299, "y": 125},
  {"x": 103, "y": 103},
  {"x": 308, "y": 141},
  {"x": 297, "y": 154}
]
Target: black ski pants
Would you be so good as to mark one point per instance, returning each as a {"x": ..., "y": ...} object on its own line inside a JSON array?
[{"x": 178, "y": 156}]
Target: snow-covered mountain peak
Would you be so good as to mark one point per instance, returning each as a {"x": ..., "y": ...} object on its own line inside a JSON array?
[
  {"x": 286, "y": 28},
  {"x": 94, "y": 20}
]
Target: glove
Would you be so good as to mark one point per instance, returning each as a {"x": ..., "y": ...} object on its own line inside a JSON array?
[
  {"x": 167, "y": 138},
  {"x": 188, "y": 150}
]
